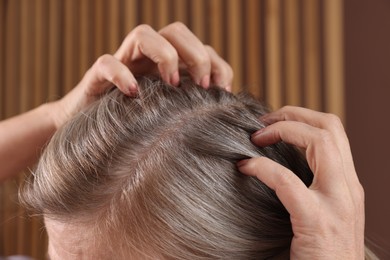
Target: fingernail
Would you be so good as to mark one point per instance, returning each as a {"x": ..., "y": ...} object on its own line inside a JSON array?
[
  {"x": 205, "y": 82},
  {"x": 229, "y": 88},
  {"x": 133, "y": 87},
  {"x": 175, "y": 79},
  {"x": 258, "y": 133},
  {"x": 242, "y": 163},
  {"x": 132, "y": 90}
]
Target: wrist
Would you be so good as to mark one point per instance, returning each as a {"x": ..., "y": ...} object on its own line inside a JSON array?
[
  {"x": 65, "y": 108},
  {"x": 56, "y": 113}
]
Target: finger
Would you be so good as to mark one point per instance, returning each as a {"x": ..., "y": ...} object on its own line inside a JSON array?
[
  {"x": 221, "y": 71},
  {"x": 321, "y": 120},
  {"x": 143, "y": 42},
  {"x": 322, "y": 153},
  {"x": 314, "y": 118},
  {"x": 108, "y": 71},
  {"x": 292, "y": 132},
  {"x": 291, "y": 191},
  {"x": 191, "y": 51}
]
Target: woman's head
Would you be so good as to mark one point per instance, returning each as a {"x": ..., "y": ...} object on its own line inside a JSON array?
[{"x": 155, "y": 176}]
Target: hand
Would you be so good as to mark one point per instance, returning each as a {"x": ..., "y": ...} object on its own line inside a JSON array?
[
  {"x": 328, "y": 217},
  {"x": 145, "y": 51}
]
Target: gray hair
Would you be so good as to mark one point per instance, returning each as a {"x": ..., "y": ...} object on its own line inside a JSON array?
[{"x": 156, "y": 174}]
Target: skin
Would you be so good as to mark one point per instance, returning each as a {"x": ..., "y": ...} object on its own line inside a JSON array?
[
  {"x": 67, "y": 241},
  {"x": 327, "y": 217}
]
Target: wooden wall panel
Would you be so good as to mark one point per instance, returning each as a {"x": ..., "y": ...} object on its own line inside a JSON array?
[
  {"x": 234, "y": 40},
  {"x": 292, "y": 43},
  {"x": 198, "y": 18},
  {"x": 55, "y": 72},
  {"x": 40, "y": 58},
  {"x": 99, "y": 27},
  {"x": 2, "y": 83},
  {"x": 180, "y": 10},
  {"x": 113, "y": 27},
  {"x": 216, "y": 26},
  {"x": 70, "y": 48},
  {"x": 2, "y": 52},
  {"x": 84, "y": 37},
  {"x": 130, "y": 16},
  {"x": 147, "y": 12},
  {"x": 163, "y": 15},
  {"x": 334, "y": 58},
  {"x": 10, "y": 102},
  {"x": 311, "y": 30},
  {"x": 252, "y": 75},
  {"x": 273, "y": 49},
  {"x": 283, "y": 51}
]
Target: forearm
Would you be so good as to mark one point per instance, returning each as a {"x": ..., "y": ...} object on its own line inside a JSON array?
[{"x": 23, "y": 137}]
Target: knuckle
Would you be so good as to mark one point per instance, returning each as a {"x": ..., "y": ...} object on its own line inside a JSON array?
[
  {"x": 200, "y": 60},
  {"x": 177, "y": 27},
  {"x": 333, "y": 120},
  {"x": 286, "y": 108},
  {"x": 141, "y": 30},
  {"x": 103, "y": 60},
  {"x": 285, "y": 177},
  {"x": 285, "y": 112},
  {"x": 169, "y": 57}
]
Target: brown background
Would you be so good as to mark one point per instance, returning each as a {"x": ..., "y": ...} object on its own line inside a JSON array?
[
  {"x": 367, "y": 59},
  {"x": 328, "y": 55}
]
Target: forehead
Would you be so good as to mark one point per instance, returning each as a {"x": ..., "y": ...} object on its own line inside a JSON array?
[
  {"x": 69, "y": 241},
  {"x": 76, "y": 241}
]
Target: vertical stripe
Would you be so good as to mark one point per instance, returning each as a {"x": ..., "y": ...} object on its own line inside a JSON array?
[
  {"x": 312, "y": 54},
  {"x": 99, "y": 27},
  {"x": 334, "y": 63},
  {"x": 85, "y": 36},
  {"x": 147, "y": 14},
  {"x": 55, "y": 49},
  {"x": 234, "y": 57},
  {"x": 12, "y": 45},
  {"x": 40, "y": 67},
  {"x": 272, "y": 41},
  {"x": 252, "y": 48},
  {"x": 216, "y": 25},
  {"x": 292, "y": 64},
  {"x": 26, "y": 65},
  {"x": 198, "y": 17},
  {"x": 3, "y": 194},
  {"x": 69, "y": 45},
  {"x": 130, "y": 16},
  {"x": 2, "y": 68},
  {"x": 163, "y": 13},
  {"x": 113, "y": 26},
  {"x": 180, "y": 13}
]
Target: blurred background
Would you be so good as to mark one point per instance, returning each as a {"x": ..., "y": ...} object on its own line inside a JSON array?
[{"x": 328, "y": 55}]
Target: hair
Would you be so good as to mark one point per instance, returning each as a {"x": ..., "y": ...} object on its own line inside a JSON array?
[{"x": 156, "y": 175}]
